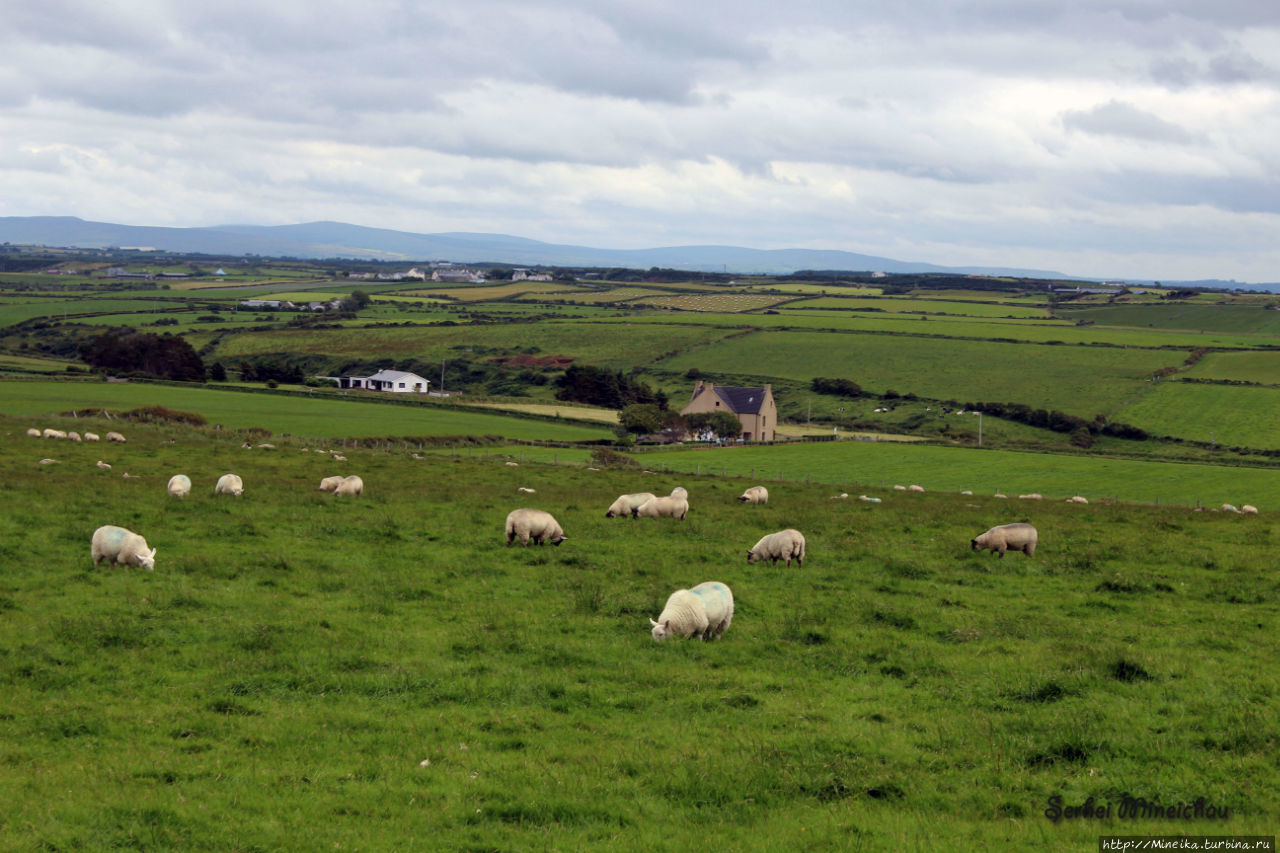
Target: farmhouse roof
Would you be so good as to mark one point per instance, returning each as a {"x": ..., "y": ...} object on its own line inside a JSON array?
[
  {"x": 393, "y": 376},
  {"x": 740, "y": 400}
]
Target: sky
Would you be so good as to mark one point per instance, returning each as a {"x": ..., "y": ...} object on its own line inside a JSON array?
[{"x": 1131, "y": 138}]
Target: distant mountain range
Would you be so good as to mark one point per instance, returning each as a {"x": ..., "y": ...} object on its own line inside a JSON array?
[{"x": 339, "y": 240}]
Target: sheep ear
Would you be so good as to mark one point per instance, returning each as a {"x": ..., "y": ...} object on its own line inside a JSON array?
[{"x": 666, "y": 625}]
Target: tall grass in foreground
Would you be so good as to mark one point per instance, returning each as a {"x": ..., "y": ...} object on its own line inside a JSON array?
[{"x": 305, "y": 672}]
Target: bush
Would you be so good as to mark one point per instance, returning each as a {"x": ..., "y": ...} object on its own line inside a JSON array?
[
  {"x": 161, "y": 414},
  {"x": 603, "y": 457}
]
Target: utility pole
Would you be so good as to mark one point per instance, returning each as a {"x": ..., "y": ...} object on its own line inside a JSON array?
[
  {"x": 979, "y": 429},
  {"x": 442, "y": 377}
]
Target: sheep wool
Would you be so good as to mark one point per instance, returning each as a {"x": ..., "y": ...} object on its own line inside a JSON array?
[
  {"x": 668, "y": 507},
  {"x": 755, "y": 495},
  {"x": 328, "y": 484},
  {"x": 533, "y": 524},
  {"x": 179, "y": 485},
  {"x": 351, "y": 486},
  {"x": 1249, "y": 509},
  {"x": 118, "y": 545},
  {"x": 680, "y": 492},
  {"x": 784, "y": 545},
  {"x": 229, "y": 484},
  {"x": 704, "y": 611},
  {"x": 1018, "y": 536},
  {"x": 627, "y": 504}
]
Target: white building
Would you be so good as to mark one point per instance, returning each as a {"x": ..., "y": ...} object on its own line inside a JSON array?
[{"x": 395, "y": 381}]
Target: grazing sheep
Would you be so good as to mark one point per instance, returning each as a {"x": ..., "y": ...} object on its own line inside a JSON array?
[
  {"x": 1018, "y": 536},
  {"x": 48, "y": 461},
  {"x": 127, "y": 476},
  {"x": 418, "y": 456},
  {"x": 840, "y": 496},
  {"x": 967, "y": 492},
  {"x": 704, "y": 612},
  {"x": 104, "y": 465},
  {"x": 755, "y": 495},
  {"x": 328, "y": 484},
  {"x": 533, "y": 524},
  {"x": 33, "y": 432},
  {"x": 73, "y": 436},
  {"x": 526, "y": 490},
  {"x": 351, "y": 487},
  {"x": 229, "y": 484},
  {"x": 1249, "y": 509},
  {"x": 1033, "y": 496},
  {"x": 628, "y": 504},
  {"x": 784, "y": 545},
  {"x": 897, "y": 488},
  {"x": 179, "y": 485},
  {"x": 680, "y": 492},
  {"x": 90, "y": 436},
  {"x": 512, "y": 464},
  {"x": 118, "y": 545},
  {"x": 668, "y": 507},
  {"x": 1077, "y": 499},
  {"x": 914, "y": 488},
  {"x": 338, "y": 457},
  {"x": 1228, "y": 508},
  {"x": 115, "y": 436},
  {"x": 54, "y": 433},
  {"x": 868, "y": 500},
  {"x": 1000, "y": 496}
]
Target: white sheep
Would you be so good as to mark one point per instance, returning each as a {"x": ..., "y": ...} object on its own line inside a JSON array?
[
  {"x": 118, "y": 545},
  {"x": 351, "y": 487},
  {"x": 899, "y": 488},
  {"x": 512, "y": 464},
  {"x": 868, "y": 499},
  {"x": 328, "y": 484},
  {"x": 338, "y": 457},
  {"x": 47, "y": 461},
  {"x": 668, "y": 507},
  {"x": 526, "y": 490},
  {"x": 627, "y": 504},
  {"x": 34, "y": 433},
  {"x": 533, "y": 524},
  {"x": 179, "y": 485},
  {"x": 755, "y": 495},
  {"x": 1077, "y": 499},
  {"x": 1228, "y": 508},
  {"x": 229, "y": 484},
  {"x": 704, "y": 611},
  {"x": 1249, "y": 509},
  {"x": 1032, "y": 496},
  {"x": 784, "y": 545},
  {"x": 680, "y": 492},
  {"x": 54, "y": 433},
  {"x": 90, "y": 436},
  {"x": 1018, "y": 536},
  {"x": 115, "y": 436},
  {"x": 966, "y": 491},
  {"x": 104, "y": 465},
  {"x": 914, "y": 488},
  {"x": 73, "y": 436}
]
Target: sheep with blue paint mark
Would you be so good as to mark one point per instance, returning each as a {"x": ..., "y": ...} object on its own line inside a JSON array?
[
  {"x": 179, "y": 485},
  {"x": 119, "y": 545},
  {"x": 704, "y": 611}
]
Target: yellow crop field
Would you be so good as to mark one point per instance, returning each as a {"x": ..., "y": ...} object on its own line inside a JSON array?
[{"x": 725, "y": 302}]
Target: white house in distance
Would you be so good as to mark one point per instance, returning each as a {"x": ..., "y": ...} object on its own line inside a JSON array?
[{"x": 395, "y": 381}]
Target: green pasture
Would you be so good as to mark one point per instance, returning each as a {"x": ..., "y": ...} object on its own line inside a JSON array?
[
  {"x": 969, "y": 308},
  {"x": 805, "y": 288},
  {"x": 1227, "y": 414},
  {"x": 79, "y": 308},
  {"x": 881, "y": 465},
  {"x": 1263, "y": 367},
  {"x": 594, "y": 296},
  {"x": 321, "y": 416},
  {"x": 969, "y": 328},
  {"x": 1081, "y": 380},
  {"x": 597, "y": 343},
  {"x": 1001, "y": 296},
  {"x": 308, "y": 672},
  {"x": 1249, "y": 319}
]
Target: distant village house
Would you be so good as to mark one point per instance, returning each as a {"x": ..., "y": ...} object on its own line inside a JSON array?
[
  {"x": 754, "y": 407},
  {"x": 395, "y": 381}
]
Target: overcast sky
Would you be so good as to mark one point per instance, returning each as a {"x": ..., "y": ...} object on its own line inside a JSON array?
[{"x": 1132, "y": 138}]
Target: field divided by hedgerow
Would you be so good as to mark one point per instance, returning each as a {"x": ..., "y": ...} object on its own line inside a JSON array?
[
  {"x": 1227, "y": 414},
  {"x": 1081, "y": 380},
  {"x": 319, "y": 416},
  {"x": 306, "y": 672}
]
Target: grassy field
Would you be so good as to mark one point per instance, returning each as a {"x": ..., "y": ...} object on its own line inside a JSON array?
[
  {"x": 1230, "y": 415},
  {"x": 1249, "y": 319},
  {"x": 320, "y": 417},
  {"x": 1082, "y": 380},
  {"x": 716, "y": 302},
  {"x": 306, "y": 672},
  {"x": 968, "y": 308},
  {"x": 597, "y": 343},
  {"x": 1261, "y": 367},
  {"x": 880, "y": 466},
  {"x": 556, "y": 410}
]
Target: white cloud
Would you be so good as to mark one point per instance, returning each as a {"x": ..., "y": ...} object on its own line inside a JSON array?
[{"x": 1095, "y": 137}]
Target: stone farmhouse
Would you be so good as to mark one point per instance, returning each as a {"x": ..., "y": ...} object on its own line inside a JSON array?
[
  {"x": 754, "y": 407},
  {"x": 395, "y": 381}
]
